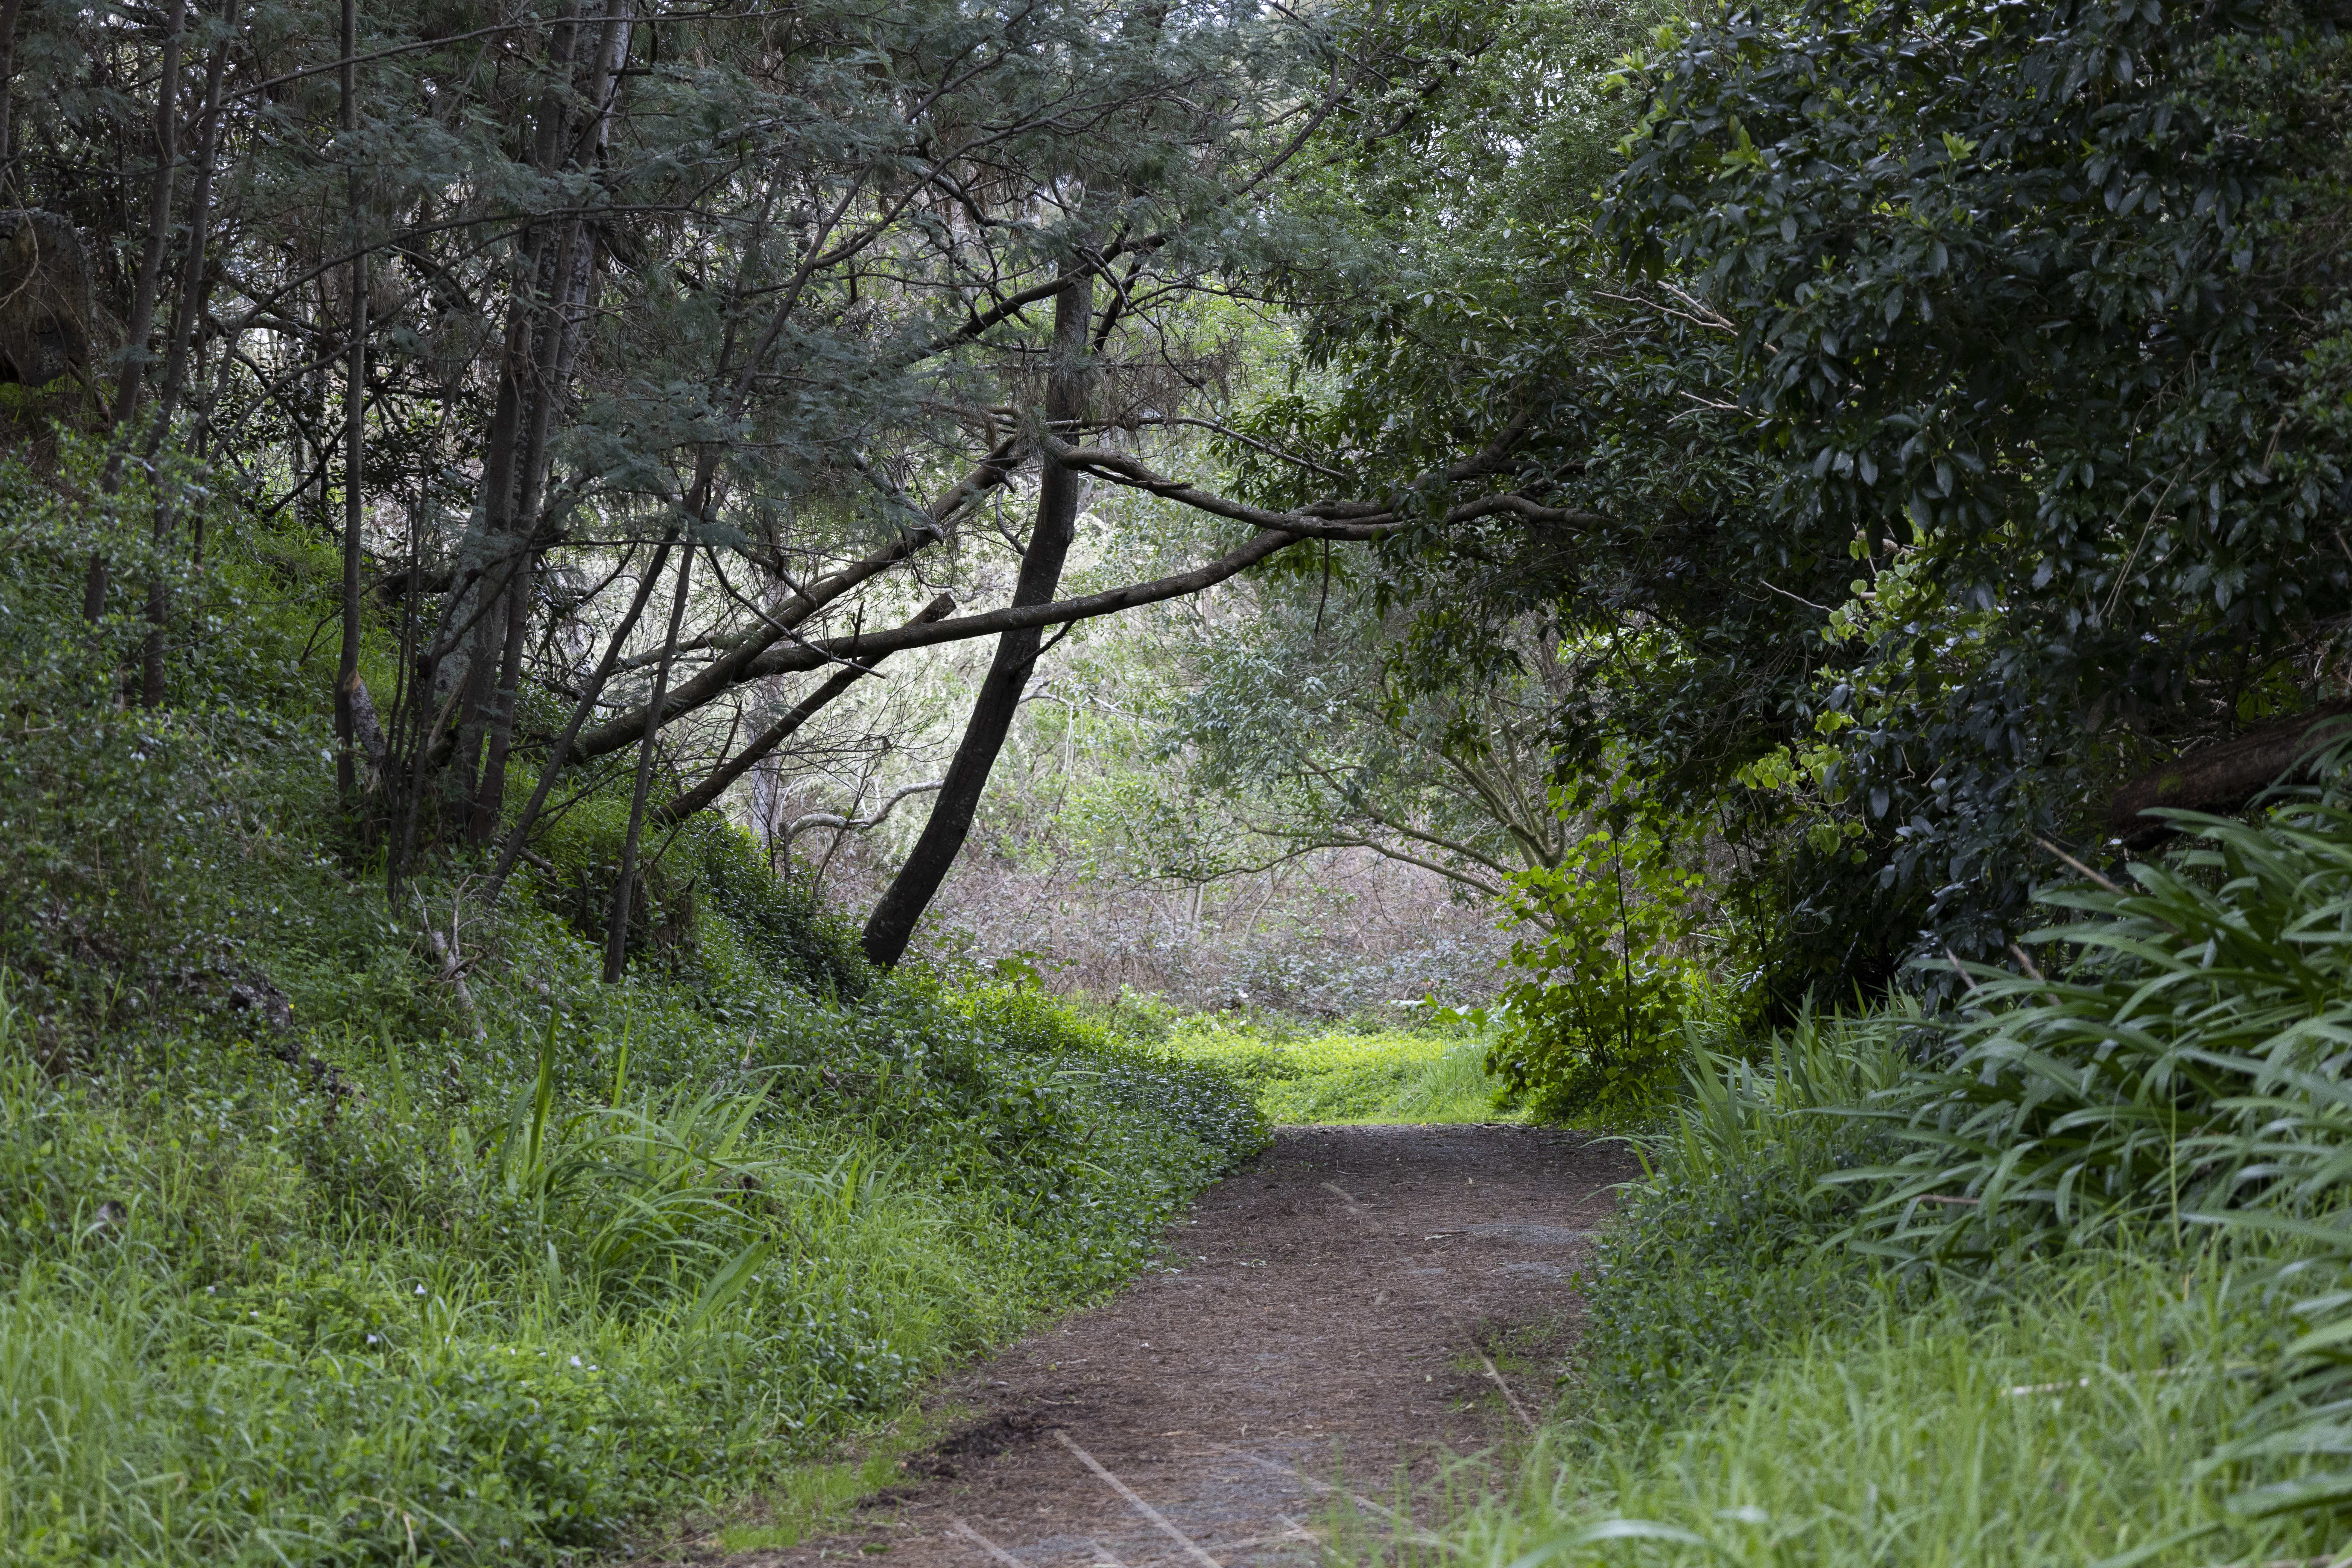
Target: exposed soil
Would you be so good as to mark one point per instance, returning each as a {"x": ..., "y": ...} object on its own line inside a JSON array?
[{"x": 1356, "y": 1304}]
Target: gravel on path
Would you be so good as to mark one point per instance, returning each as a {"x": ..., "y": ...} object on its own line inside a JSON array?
[{"x": 1338, "y": 1316}]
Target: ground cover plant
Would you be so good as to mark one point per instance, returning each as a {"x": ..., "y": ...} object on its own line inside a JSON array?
[
  {"x": 336, "y": 1231},
  {"x": 2058, "y": 1277}
]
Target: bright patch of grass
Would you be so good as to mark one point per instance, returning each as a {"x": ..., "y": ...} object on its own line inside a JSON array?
[{"x": 1346, "y": 1076}]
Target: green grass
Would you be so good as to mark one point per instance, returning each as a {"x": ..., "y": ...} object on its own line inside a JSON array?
[
  {"x": 306, "y": 1259},
  {"x": 1755, "y": 1385},
  {"x": 814, "y": 1498},
  {"x": 248, "y": 1325},
  {"x": 1906, "y": 1439},
  {"x": 1344, "y": 1076}
]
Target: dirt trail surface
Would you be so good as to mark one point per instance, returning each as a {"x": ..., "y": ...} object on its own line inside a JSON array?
[{"x": 1352, "y": 1306}]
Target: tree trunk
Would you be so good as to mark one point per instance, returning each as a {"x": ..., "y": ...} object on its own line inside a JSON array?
[
  {"x": 347, "y": 661},
  {"x": 475, "y": 668},
  {"x": 2223, "y": 779},
  {"x": 917, "y": 881},
  {"x": 9, "y": 11},
  {"x": 195, "y": 290},
  {"x": 142, "y": 295},
  {"x": 571, "y": 288},
  {"x": 616, "y": 940}
]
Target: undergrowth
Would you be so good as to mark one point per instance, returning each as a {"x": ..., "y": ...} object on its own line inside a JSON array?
[
  {"x": 2060, "y": 1277},
  {"x": 323, "y": 1246}
]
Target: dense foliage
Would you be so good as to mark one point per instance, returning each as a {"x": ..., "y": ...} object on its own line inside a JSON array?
[
  {"x": 1938, "y": 412},
  {"x": 336, "y": 1233}
]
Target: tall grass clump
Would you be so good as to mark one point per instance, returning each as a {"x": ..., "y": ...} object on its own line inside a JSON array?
[
  {"x": 2061, "y": 1276},
  {"x": 2187, "y": 1056},
  {"x": 1716, "y": 1256}
]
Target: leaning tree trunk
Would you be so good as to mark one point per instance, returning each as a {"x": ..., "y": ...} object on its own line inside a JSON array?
[
  {"x": 917, "y": 881},
  {"x": 2225, "y": 778}
]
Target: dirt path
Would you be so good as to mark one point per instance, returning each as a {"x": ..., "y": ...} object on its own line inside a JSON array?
[{"x": 1352, "y": 1306}]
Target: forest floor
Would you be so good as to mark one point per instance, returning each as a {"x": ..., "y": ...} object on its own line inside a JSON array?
[{"x": 1327, "y": 1334}]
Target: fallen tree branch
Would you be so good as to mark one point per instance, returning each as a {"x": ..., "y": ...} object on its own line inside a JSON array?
[
  {"x": 2224, "y": 779},
  {"x": 453, "y": 966}
]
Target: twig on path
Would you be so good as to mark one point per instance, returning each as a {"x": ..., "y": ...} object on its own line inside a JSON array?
[
  {"x": 1413, "y": 1526},
  {"x": 1141, "y": 1507},
  {"x": 1495, "y": 1372},
  {"x": 959, "y": 1528},
  {"x": 1301, "y": 1532}
]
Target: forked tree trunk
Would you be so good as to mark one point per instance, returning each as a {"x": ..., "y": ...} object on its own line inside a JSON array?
[{"x": 917, "y": 881}]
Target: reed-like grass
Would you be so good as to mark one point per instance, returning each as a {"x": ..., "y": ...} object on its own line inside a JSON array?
[{"x": 2070, "y": 1425}]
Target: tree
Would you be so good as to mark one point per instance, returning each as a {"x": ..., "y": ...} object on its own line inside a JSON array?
[{"x": 1915, "y": 587}]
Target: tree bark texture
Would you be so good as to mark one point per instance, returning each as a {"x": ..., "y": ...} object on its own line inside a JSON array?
[
  {"x": 555, "y": 279},
  {"x": 347, "y": 661},
  {"x": 132, "y": 379},
  {"x": 2224, "y": 779},
  {"x": 911, "y": 892}
]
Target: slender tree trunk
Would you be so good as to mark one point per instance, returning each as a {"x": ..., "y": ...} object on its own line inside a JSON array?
[
  {"x": 195, "y": 290},
  {"x": 195, "y": 275},
  {"x": 9, "y": 11},
  {"x": 616, "y": 940},
  {"x": 917, "y": 881},
  {"x": 347, "y": 661},
  {"x": 133, "y": 380}
]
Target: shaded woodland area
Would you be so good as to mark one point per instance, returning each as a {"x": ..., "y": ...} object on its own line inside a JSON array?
[
  {"x": 715, "y": 696},
  {"x": 662, "y": 374}
]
